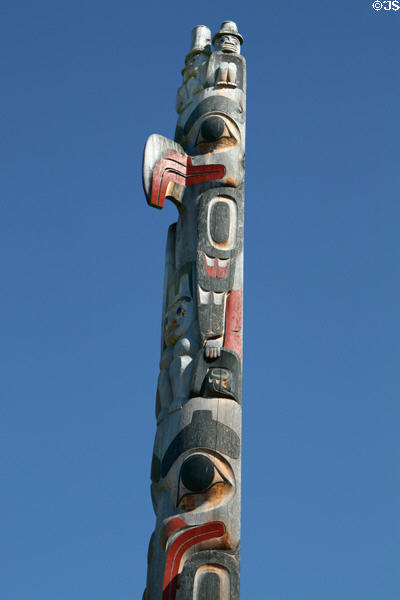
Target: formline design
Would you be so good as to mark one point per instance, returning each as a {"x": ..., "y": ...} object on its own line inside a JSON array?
[{"x": 196, "y": 466}]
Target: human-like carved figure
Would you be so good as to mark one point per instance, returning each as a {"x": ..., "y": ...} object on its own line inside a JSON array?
[
  {"x": 227, "y": 40},
  {"x": 194, "y": 550},
  {"x": 181, "y": 339}
]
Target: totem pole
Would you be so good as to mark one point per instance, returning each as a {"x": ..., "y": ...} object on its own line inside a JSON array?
[{"x": 195, "y": 474}]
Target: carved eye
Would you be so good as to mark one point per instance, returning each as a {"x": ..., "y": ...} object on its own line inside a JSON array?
[
  {"x": 215, "y": 134},
  {"x": 180, "y": 311},
  {"x": 199, "y": 477}
]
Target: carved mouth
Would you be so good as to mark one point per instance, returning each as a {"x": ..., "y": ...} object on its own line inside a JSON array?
[
  {"x": 189, "y": 537},
  {"x": 228, "y": 47}
]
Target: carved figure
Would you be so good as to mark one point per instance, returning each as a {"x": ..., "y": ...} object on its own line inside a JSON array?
[
  {"x": 195, "y": 489},
  {"x": 193, "y": 71},
  {"x": 228, "y": 39},
  {"x": 181, "y": 341}
]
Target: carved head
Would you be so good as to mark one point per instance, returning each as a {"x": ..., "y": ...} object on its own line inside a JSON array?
[
  {"x": 228, "y": 39},
  {"x": 178, "y": 319},
  {"x": 228, "y": 43},
  {"x": 195, "y": 478}
]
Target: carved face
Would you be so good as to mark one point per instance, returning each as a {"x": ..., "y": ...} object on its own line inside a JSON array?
[
  {"x": 195, "y": 493},
  {"x": 227, "y": 43},
  {"x": 178, "y": 319}
]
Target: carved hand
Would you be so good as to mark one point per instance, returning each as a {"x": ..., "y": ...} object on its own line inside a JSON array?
[{"x": 213, "y": 348}]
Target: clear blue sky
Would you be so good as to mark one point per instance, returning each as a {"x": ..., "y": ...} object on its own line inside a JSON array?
[{"x": 83, "y": 85}]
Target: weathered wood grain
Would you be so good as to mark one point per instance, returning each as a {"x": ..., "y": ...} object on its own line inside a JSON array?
[{"x": 196, "y": 466}]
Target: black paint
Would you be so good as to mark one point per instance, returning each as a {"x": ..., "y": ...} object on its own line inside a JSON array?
[
  {"x": 218, "y": 377},
  {"x": 219, "y": 382},
  {"x": 155, "y": 469},
  {"x": 197, "y": 473},
  {"x": 212, "y": 128},
  {"x": 202, "y": 432},
  {"x": 220, "y": 104},
  {"x": 229, "y": 561},
  {"x": 219, "y": 222},
  {"x": 209, "y": 587}
]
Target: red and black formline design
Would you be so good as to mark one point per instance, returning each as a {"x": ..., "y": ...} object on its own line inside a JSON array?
[
  {"x": 196, "y": 465},
  {"x": 178, "y": 168}
]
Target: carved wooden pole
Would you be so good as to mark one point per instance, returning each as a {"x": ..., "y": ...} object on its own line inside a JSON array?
[{"x": 194, "y": 550}]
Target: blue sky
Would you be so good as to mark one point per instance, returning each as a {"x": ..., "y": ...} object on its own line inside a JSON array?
[{"x": 83, "y": 85}]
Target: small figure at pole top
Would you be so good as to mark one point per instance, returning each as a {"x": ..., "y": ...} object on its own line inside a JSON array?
[
  {"x": 196, "y": 465},
  {"x": 228, "y": 39}
]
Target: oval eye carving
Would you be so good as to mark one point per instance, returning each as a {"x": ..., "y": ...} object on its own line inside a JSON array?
[
  {"x": 197, "y": 473},
  {"x": 212, "y": 128},
  {"x": 215, "y": 134},
  {"x": 199, "y": 478}
]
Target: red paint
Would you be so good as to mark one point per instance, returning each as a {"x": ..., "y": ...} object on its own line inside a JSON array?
[
  {"x": 178, "y": 168},
  {"x": 216, "y": 270},
  {"x": 233, "y": 322},
  {"x": 184, "y": 541},
  {"x": 171, "y": 527},
  {"x": 172, "y": 326}
]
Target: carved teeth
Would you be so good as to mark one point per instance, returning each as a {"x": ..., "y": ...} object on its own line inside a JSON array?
[
  {"x": 210, "y": 261},
  {"x": 218, "y": 297},
  {"x": 204, "y": 296},
  {"x": 223, "y": 262}
]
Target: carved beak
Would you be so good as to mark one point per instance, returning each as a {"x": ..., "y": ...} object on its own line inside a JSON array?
[{"x": 167, "y": 170}]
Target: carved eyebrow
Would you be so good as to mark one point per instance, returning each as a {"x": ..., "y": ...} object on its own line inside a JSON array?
[
  {"x": 183, "y": 298},
  {"x": 202, "y": 432},
  {"x": 176, "y": 303},
  {"x": 215, "y": 104}
]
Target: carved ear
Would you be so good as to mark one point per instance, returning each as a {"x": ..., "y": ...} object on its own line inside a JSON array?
[{"x": 156, "y": 149}]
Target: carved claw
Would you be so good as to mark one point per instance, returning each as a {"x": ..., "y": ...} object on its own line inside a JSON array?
[{"x": 213, "y": 348}]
